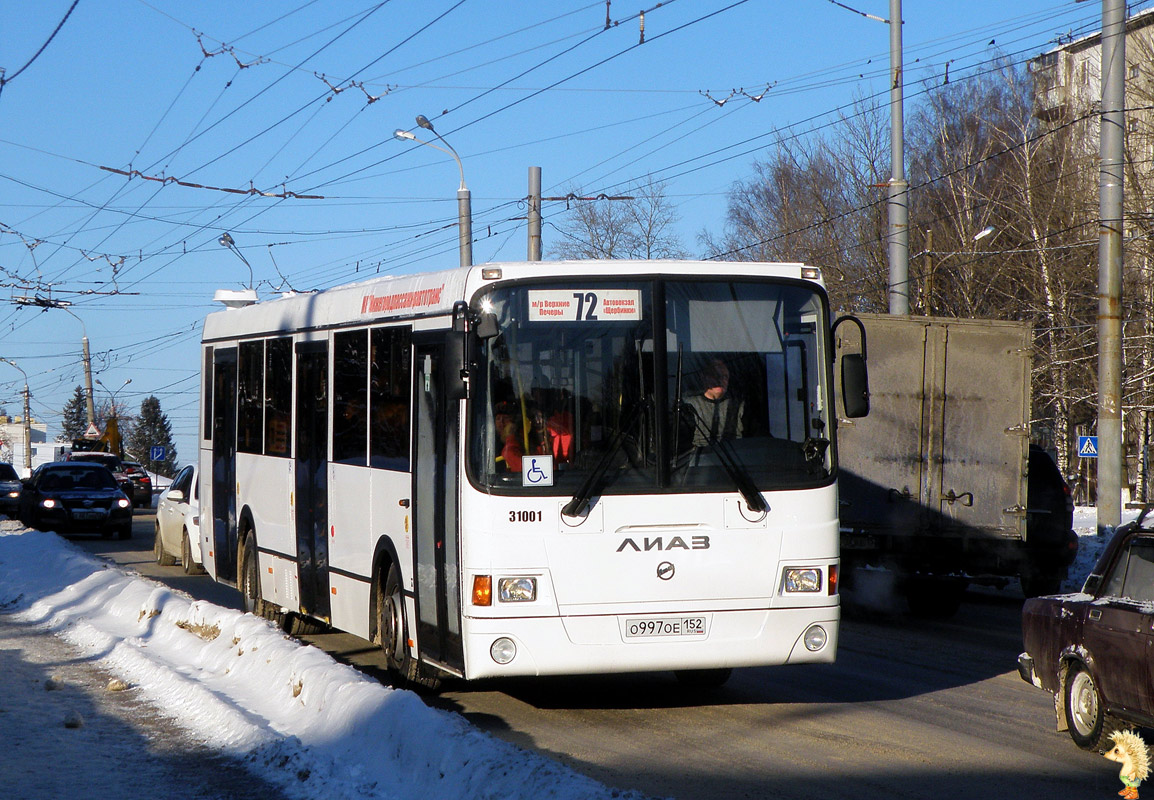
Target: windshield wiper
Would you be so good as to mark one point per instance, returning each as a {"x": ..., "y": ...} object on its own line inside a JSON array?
[
  {"x": 576, "y": 506},
  {"x": 737, "y": 473}
]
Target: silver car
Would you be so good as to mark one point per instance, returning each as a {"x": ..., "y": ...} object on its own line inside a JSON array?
[{"x": 178, "y": 524}]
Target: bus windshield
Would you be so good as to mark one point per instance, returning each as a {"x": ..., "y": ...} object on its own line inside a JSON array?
[{"x": 613, "y": 387}]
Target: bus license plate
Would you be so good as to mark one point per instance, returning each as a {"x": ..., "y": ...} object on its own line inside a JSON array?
[{"x": 653, "y": 627}]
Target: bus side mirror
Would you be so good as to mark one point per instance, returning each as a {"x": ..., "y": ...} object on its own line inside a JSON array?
[
  {"x": 855, "y": 388},
  {"x": 455, "y": 368},
  {"x": 487, "y": 327},
  {"x": 855, "y": 383}
]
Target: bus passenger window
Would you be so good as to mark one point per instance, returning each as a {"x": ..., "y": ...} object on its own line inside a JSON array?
[
  {"x": 390, "y": 398},
  {"x": 278, "y": 395},
  {"x": 350, "y": 410},
  {"x": 250, "y": 417}
]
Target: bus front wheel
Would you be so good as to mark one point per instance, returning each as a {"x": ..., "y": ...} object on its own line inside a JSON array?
[{"x": 392, "y": 626}]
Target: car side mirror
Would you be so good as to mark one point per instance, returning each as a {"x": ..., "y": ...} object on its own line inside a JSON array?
[{"x": 176, "y": 494}]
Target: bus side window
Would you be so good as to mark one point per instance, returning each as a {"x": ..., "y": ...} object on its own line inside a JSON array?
[
  {"x": 250, "y": 419},
  {"x": 390, "y": 397},
  {"x": 350, "y": 410},
  {"x": 278, "y": 396}
]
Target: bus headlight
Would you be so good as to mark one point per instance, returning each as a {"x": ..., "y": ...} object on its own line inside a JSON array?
[
  {"x": 802, "y": 579},
  {"x": 503, "y": 650},
  {"x": 815, "y": 638},
  {"x": 517, "y": 590}
]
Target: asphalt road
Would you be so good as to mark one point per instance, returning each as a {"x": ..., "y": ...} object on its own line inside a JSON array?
[{"x": 912, "y": 708}]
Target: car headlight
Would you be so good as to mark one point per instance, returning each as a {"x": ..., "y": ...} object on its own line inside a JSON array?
[
  {"x": 48, "y": 502},
  {"x": 14, "y": 494},
  {"x": 124, "y": 502},
  {"x": 802, "y": 579},
  {"x": 517, "y": 590}
]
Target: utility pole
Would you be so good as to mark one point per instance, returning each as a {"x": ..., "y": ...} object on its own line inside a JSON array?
[
  {"x": 898, "y": 234},
  {"x": 534, "y": 214},
  {"x": 1110, "y": 186},
  {"x": 27, "y": 430},
  {"x": 88, "y": 380},
  {"x": 928, "y": 301}
]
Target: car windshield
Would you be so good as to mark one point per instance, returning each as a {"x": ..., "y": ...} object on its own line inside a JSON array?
[
  {"x": 650, "y": 386},
  {"x": 8, "y": 473},
  {"x": 62, "y": 480}
]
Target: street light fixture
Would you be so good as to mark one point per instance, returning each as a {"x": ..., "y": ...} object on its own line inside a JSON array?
[
  {"x": 47, "y": 302},
  {"x": 226, "y": 240},
  {"x": 464, "y": 201}
]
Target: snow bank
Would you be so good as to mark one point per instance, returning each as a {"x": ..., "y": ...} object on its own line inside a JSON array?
[{"x": 315, "y": 727}]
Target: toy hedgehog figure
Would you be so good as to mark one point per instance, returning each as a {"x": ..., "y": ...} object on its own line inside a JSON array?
[{"x": 1130, "y": 751}]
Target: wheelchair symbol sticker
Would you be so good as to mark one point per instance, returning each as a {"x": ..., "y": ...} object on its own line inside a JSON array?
[{"x": 537, "y": 470}]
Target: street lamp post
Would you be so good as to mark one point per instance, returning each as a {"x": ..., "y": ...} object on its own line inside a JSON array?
[
  {"x": 47, "y": 302},
  {"x": 464, "y": 202},
  {"x": 112, "y": 429},
  {"x": 27, "y": 417}
]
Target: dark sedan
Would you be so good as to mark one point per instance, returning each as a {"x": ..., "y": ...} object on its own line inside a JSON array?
[
  {"x": 75, "y": 496},
  {"x": 10, "y": 490},
  {"x": 1095, "y": 650}
]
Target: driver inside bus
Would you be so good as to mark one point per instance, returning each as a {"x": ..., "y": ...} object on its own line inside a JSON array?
[{"x": 717, "y": 413}]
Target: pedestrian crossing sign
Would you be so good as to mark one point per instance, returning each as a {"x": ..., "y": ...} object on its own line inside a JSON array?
[{"x": 1087, "y": 446}]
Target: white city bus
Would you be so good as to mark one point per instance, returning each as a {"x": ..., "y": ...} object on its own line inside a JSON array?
[{"x": 535, "y": 468}]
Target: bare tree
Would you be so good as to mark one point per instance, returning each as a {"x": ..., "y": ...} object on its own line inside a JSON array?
[
  {"x": 639, "y": 225},
  {"x": 817, "y": 199}
]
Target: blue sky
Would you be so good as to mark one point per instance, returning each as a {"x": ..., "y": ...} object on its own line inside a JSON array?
[{"x": 302, "y": 97}]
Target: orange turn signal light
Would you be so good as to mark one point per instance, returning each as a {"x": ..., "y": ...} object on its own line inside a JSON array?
[{"x": 482, "y": 590}]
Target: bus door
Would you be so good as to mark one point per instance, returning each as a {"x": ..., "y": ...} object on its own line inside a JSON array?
[
  {"x": 224, "y": 532},
  {"x": 311, "y": 470},
  {"x": 435, "y": 432}
]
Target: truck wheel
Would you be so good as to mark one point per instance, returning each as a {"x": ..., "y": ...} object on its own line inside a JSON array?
[{"x": 1088, "y": 721}]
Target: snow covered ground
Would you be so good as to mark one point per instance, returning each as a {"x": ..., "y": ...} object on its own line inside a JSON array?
[
  {"x": 294, "y": 716},
  {"x": 1090, "y": 545},
  {"x": 287, "y": 711}
]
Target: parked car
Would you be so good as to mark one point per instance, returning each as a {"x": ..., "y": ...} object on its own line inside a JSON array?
[
  {"x": 141, "y": 484},
  {"x": 178, "y": 524},
  {"x": 114, "y": 465},
  {"x": 1091, "y": 649},
  {"x": 10, "y": 490},
  {"x": 76, "y": 496}
]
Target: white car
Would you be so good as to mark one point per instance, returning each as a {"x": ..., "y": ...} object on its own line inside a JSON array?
[{"x": 178, "y": 524}]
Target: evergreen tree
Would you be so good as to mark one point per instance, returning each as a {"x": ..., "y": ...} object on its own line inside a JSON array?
[
  {"x": 75, "y": 418},
  {"x": 152, "y": 428}
]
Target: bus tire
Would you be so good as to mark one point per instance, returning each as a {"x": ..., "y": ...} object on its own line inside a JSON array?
[
  {"x": 250, "y": 579},
  {"x": 393, "y": 627},
  {"x": 158, "y": 551}
]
